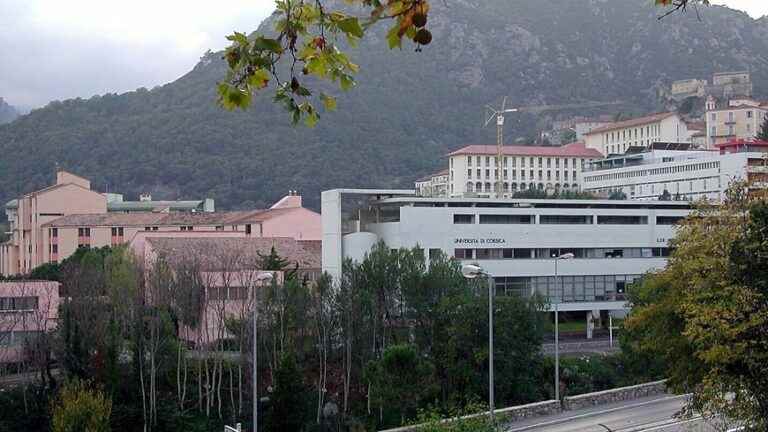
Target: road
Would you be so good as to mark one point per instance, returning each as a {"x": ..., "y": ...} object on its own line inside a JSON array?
[{"x": 649, "y": 414}]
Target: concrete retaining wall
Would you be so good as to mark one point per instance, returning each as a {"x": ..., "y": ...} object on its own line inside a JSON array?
[
  {"x": 614, "y": 395},
  {"x": 545, "y": 408},
  {"x": 504, "y": 415}
]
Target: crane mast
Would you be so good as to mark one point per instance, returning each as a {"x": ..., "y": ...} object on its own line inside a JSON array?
[{"x": 499, "y": 115}]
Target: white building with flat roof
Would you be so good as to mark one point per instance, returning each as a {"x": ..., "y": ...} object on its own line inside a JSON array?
[
  {"x": 514, "y": 240},
  {"x": 678, "y": 174},
  {"x": 618, "y": 137}
]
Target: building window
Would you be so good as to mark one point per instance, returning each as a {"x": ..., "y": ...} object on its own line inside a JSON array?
[
  {"x": 622, "y": 220},
  {"x": 248, "y": 229},
  {"x": 462, "y": 253},
  {"x": 749, "y": 114},
  {"x": 479, "y": 173},
  {"x": 463, "y": 219},
  {"x": 434, "y": 254},
  {"x": 549, "y": 162},
  {"x": 540, "y": 162},
  {"x": 487, "y": 160},
  {"x": 469, "y": 160},
  {"x": 54, "y": 232},
  {"x": 18, "y": 303},
  {"x": 487, "y": 173},
  {"x": 565, "y": 220},
  {"x": 669, "y": 220},
  {"x": 492, "y": 219},
  {"x": 713, "y": 116}
]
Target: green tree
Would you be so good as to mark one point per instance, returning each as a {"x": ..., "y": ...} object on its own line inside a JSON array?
[
  {"x": 763, "y": 133},
  {"x": 461, "y": 348},
  {"x": 617, "y": 195},
  {"x": 81, "y": 409},
  {"x": 289, "y": 407},
  {"x": 706, "y": 314},
  {"x": 402, "y": 378}
]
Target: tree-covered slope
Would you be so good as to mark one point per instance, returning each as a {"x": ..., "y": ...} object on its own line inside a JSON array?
[
  {"x": 407, "y": 111},
  {"x": 7, "y": 112}
]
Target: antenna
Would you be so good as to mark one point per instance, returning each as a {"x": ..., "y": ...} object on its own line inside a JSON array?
[{"x": 498, "y": 114}]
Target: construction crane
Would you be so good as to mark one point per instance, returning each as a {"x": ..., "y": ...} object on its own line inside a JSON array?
[{"x": 499, "y": 115}]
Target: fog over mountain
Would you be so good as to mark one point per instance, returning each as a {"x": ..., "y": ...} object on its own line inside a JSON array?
[{"x": 408, "y": 110}]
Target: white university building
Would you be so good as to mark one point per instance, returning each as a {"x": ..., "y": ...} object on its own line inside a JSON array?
[
  {"x": 684, "y": 174},
  {"x": 618, "y": 137},
  {"x": 514, "y": 240}
]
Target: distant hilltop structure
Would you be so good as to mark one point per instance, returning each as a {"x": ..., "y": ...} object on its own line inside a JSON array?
[{"x": 725, "y": 85}]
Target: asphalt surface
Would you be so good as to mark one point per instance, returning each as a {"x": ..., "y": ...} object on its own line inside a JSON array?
[{"x": 648, "y": 414}]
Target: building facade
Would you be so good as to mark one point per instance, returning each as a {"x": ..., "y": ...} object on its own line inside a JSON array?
[
  {"x": 27, "y": 309},
  {"x": 613, "y": 242},
  {"x": 433, "y": 185},
  {"x": 679, "y": 174},
  {"x": 473, "y": 169},
  {"x": 51, "y": 224},
  {"x": 618, "y": 137},
  {"x": 741, "y": 119}
]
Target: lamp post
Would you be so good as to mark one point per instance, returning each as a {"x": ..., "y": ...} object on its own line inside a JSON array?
[
  {"x": 471, "y": 271},
  {"x": 263, "y": 278},
  {"x": 565, "y": 256}
]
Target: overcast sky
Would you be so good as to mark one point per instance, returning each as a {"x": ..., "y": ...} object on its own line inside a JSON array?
[{"x": 58, "y": 49}]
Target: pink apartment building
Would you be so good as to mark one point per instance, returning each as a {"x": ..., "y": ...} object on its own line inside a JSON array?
[
  {"x": 27, "y": 308},
  {"x": 49, "y": 225}
]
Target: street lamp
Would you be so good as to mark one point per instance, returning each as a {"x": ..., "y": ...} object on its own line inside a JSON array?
[
  {"x": 565, "y": 256},
  {"x": 471, "y": 271},
  {"x": 263, "y": 277}
]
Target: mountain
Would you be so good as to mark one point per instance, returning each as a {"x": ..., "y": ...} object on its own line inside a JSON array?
[
  {"x": 7, "y": 112},
  {"x": 408, "y": 110}
]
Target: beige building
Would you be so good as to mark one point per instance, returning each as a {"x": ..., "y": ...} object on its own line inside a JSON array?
[
  {"x": 740, "y": 119},
  {"x": 433, "y": 185},
  {"x": 689, "y": 87},
  {"x": 25, "y": 249},
  {"x": 617, "y": 137},
  {"x": 51, "y": 224}
]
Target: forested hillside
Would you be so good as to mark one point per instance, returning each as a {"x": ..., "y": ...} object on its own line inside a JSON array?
[
  {"x": 407, "y": 111},
  {"x": 7, "y": 112}
]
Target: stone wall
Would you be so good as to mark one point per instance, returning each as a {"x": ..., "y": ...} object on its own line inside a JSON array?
[
  {"x": 550, "y": 407},
  {"x": 614, "y": 395},
  {"x": 506, "y": 415}
]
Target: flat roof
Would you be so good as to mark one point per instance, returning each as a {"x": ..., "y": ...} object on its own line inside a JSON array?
[{"x": 534, "y": 203}]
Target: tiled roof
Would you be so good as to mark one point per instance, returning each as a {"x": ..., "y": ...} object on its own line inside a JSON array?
[
  {"x": 577, "y": 149},
  {"x": 429, "y": 177},
  {"x": 167, "y": 219},
  {"x": 236, "y": 253},
  {"x": 632, "y": 122}
]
